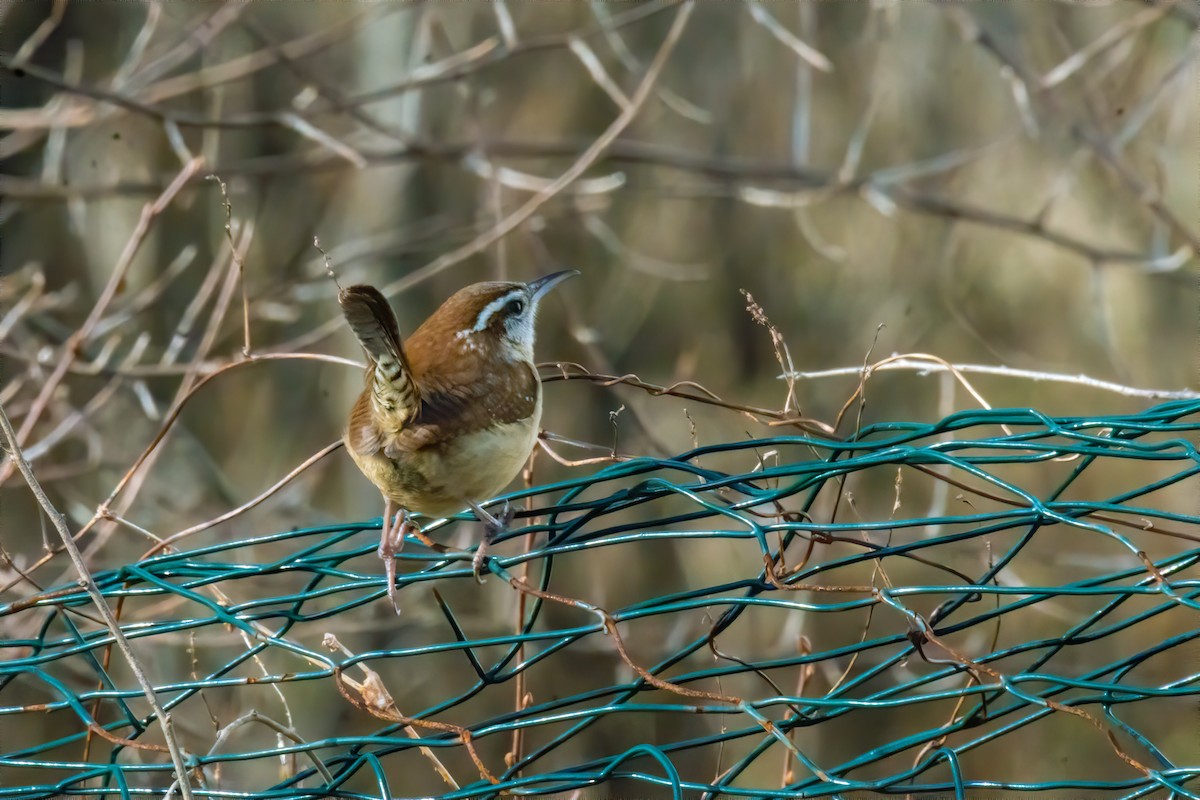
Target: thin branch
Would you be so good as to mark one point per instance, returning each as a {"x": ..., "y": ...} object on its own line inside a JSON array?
[
  {"x": 249, "y": 504},
  {"x": 924, "y": 365},
  {"x": 149, "y": 213},
  {"x": 807, "y": 53},
  {"x": 13, "y": 446},
  {"x": 582, "y": 163}
]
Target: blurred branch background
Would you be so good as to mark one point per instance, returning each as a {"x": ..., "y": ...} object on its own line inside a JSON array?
[{"x": 993, "y": 183}]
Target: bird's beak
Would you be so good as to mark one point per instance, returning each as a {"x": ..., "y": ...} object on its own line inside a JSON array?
[{"x": 539, "y": 287}]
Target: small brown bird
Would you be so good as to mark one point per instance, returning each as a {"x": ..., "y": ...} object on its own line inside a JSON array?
[{"x": 448, "y": 417}]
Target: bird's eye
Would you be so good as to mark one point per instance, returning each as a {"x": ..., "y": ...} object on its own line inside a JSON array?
[{"x": 514, "y": 307}]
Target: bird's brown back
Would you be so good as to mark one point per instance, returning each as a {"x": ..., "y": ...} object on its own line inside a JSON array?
[{"x": 465, "y": 384}]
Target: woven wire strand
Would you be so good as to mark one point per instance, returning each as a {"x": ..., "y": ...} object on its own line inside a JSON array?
[{"x": 956, "y": 653}]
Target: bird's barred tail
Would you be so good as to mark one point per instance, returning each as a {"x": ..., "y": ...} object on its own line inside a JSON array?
[{"x": 393, "y": 392}]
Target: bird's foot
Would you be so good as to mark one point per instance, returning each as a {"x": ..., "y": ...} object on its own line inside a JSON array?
[
  {"x": 492, "y": 528},
  {"x": 391, "y": 542}
]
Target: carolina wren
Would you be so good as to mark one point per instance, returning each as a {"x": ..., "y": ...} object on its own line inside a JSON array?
[{"x": 448, "y": 417}]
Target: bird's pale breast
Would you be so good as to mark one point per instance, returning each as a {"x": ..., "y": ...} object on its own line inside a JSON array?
[{"x": 439, "y": 480}]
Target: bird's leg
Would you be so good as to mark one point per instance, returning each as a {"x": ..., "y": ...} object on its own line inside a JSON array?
[
  {"x": 391, "y": 542},
  {"x": 492, "y": 527},
  {"x": 393, "y": 517}
]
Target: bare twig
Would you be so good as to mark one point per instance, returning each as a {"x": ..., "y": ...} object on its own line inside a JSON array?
[
  {"x": 688, "y": 390},
  {"x": 925, "y": 364},
  {"x": 582, "y": 163},
  {"x": 249, "y": 504},
  {"x": 149, "y": 212},
  {"x": 13, "y": 446}
]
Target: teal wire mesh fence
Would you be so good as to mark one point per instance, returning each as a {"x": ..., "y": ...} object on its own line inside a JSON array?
[{"x": 898, "y": 614}]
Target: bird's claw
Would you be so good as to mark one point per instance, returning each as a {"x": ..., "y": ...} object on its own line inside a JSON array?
[
  {"x": 478, "y": 561},
  {"x": 391, "y": 542},
  {"x": 499, "y": 523},
  {"x": 493, "y": 526}
]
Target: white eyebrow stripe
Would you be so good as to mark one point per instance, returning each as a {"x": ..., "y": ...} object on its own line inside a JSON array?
[{"x": 491, "y": 308}]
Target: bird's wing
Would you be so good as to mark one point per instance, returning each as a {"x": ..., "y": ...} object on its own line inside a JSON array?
[{"x": 452, "y": 406}]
